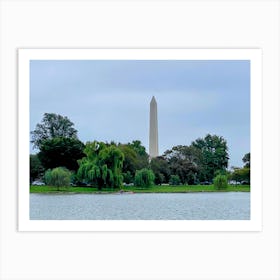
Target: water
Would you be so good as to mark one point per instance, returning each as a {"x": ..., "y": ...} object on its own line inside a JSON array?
[{"x": 170, "y": 206}]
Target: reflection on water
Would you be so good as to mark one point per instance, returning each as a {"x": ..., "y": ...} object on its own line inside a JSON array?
[{"x": 171, "y": 206}]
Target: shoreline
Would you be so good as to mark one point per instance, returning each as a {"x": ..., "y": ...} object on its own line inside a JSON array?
[
  {"x": 137, "y": 192},
  {"x": 133, "y": 190}
]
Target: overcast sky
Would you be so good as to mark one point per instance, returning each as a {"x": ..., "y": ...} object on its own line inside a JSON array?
[{"x": 110, "y": 100}]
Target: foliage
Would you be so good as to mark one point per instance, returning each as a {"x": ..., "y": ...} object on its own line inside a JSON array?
[
  {"x": 215, "y": 156},
  {"x": 107, "y": 165},
  {"x": 137, "y": 146},
  {"x": 174, "y": 180},
  {"x": 184, "y": 161},
  {"x": 241, "y": 175},
  {"x": 222, "y": 172},
  {"x": 142, "y": 158},
  {"x": 61, "y": 151},
  {"x": 128, "y": 177},
  {"x": 161, "y": 169},
  {"x": 220, "y": 182},
  {"x": 52, "y": 125},
  {"x": 135, "y": 158},
  {"x": 102, "y": 165},
  {"x": 144, "y": 178},
  {"x": 247, "y": 160},
  {"x": 129, "y": 163},
  {"x": 36, "y": 168},
  {"x": 58, "y": 177}
]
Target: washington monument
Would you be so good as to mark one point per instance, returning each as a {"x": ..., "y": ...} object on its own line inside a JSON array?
[{"x": 153, "y": 140}]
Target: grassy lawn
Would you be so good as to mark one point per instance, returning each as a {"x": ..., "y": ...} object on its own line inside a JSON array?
[
  {"x": 187, "y": 188},
  {"x": 50, "y": 189},
  {"x": 153, "y": 189}
]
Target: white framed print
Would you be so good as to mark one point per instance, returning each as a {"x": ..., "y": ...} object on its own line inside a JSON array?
[{"x": 213, "y": 70}]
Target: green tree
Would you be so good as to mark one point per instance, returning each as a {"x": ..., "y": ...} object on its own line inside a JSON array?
[
  {"x": 184, "y": 161},
  {"x": 241, "y": 175},
  {"x": 111, "y": 159},
  {"x": 58, "y": 177},
  {"x": 142, "y": 158},
  {"x": 247, "y": 160},
  {"x": 174, "y": 180},
  {"x": 138, "y": 147},
  {"x": 36, "y": 168},
  {"x": 61, "y": 151},
  {"x": 102, "y": 165},
  {"x": 220, "y": 182},
  {"x": 215, "y": 156},
  {"x": 222, "y": 172},
  {"x": 128, "y": 177},
  {"x": 129, "y": 163},
  {"x": 52, "y": 125},
  {"x": 144, "y": 178},
  {"x": 160, "y": 167}
]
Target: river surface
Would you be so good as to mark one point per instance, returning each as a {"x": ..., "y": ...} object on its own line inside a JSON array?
[{"x": 153, "y": 206}]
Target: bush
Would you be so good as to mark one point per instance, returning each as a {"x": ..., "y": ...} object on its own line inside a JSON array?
[
  {"x": 220, "y": 182},
  {"x": 36, "y": 168},
  {"x": 58, "y": 177},
  {"x": 174, "y": 180},
  {"x": 144, "y": 178},
  {"x": 128, "y": 177}
]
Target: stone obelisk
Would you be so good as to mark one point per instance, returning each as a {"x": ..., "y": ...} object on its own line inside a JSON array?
[{"x": 153, "y": 143}]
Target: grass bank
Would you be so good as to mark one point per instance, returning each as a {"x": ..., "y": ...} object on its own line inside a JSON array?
[{"x": 153, "y": 189}]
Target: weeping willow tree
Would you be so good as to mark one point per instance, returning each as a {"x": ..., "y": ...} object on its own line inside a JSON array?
[
  {"x": 102, "y": 166},
  {"x": 58, "y": 177},
  {"x": 144, "y": 178}
]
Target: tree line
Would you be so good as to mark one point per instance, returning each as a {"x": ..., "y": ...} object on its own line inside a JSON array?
[{"x": 110, "y": 165}]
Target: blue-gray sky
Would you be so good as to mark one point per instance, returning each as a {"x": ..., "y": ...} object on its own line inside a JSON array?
[{"x": 109, "y": 99}]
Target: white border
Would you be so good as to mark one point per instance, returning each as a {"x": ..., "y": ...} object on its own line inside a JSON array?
[{"x": 254, "y": 55}]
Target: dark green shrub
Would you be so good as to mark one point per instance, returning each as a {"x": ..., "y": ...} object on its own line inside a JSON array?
[
  {"x": 220, "y": 182},
  {"x": 174, "y": 180},
  {"x": 36, "y": 168},
  {"x": 127, "y": 177},
  {"x": 58, "y": 177},
  {"x": 144, "y": 178}
]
